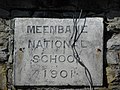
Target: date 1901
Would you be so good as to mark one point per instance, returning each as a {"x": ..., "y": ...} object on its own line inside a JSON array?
[{"x": 62, "y": 73}]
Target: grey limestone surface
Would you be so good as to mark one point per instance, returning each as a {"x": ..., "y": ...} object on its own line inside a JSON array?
[{"x": 43, "y": 54}]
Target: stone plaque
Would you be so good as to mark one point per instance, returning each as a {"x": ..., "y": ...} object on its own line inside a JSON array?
[{"x": 43, "y": 54}]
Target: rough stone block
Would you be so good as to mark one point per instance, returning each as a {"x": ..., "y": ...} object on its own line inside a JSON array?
[
  {"x": 113, "y": 74},
  {"x": 3, "y": 80},
  {"x": 115, "y": 87},
  {"x": 2, "y": 24},
  {"x": 113, "y": 49},
  {"x": 3, "y": 56},
  {"x": 114, "y": 25},
  {"x": 4, "y": 38}
]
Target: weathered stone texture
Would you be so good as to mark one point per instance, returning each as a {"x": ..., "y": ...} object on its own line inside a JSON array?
[
  {"x": 39, "y": 72},
  {"x": 114, "y": 25},
  {"x": 113, "y": 74},
  {"x": 3, "y": 80},
  {"x": 113, "y": 49},
  {"x": 113, "y": 54},
  {"x": 113, "y": 57},
  {"x": 4, "y": 43},
  {"x": 113, "y": 44},
  {"x": 4, "y": 35}
]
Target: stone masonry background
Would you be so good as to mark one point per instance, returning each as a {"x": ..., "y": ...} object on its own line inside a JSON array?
[{"x": 111, "y": 44}]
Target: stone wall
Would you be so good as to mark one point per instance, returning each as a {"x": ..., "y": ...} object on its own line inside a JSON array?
[{"x": 111, "y": 57}]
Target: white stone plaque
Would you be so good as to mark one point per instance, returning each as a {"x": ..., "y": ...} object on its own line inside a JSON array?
[{"x": 43, "y": 54}]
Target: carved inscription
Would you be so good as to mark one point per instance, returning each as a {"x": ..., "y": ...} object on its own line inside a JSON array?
[{"x": 43, "y": 54}]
